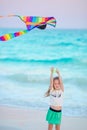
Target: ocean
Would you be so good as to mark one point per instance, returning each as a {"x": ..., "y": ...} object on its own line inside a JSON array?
[{"x": 25, "y": 64}]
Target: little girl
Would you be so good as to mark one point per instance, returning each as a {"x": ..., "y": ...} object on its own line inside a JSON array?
[{"x": 55, "y": 92}]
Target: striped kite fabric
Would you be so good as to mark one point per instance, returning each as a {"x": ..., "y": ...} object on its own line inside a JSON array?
[{"x": 31, "y": 23}]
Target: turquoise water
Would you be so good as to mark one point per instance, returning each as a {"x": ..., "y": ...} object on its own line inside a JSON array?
[{"x": 25, "y": 69}]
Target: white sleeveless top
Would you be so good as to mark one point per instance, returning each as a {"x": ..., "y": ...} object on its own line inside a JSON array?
[{"x": 56, "y": 97}]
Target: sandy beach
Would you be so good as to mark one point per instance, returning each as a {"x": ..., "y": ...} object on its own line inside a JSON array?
[{"x": 12, "y": 118}]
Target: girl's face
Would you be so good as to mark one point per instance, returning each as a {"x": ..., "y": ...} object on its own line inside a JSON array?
[{"x": 56, "y": 84}]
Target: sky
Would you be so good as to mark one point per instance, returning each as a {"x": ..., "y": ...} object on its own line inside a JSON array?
[{"x": 68, "y": 13}]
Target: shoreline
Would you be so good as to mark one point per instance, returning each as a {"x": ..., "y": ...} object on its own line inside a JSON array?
[
  {"x": 15, "y": 118},
  {"x": 41, "y": 109}
]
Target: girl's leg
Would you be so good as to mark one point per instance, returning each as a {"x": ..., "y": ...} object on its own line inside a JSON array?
[
  {"x": 50, "y": 126},
  {"x": 57, "y": 127}
]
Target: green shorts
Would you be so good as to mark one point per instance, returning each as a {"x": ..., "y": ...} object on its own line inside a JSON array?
[{"x": 54, "y": 116}]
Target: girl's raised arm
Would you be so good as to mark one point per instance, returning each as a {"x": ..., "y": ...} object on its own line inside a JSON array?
[
  {"x": 51, "y": 83},
  {"x": 51, "y": 78},
  {"x": 60, "y": 79}
]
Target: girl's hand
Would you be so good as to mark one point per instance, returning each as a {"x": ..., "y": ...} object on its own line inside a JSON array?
[{"x": 57, "y": 71}]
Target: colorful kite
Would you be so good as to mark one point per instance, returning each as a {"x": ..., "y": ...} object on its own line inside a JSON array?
[{"x": 31, "y": 23}]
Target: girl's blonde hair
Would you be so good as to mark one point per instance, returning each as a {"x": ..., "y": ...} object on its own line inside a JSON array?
[{"x": 48, "y": 91}]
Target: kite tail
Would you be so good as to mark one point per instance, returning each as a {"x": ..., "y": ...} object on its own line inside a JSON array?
[{"x": 9, "y": 36}]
